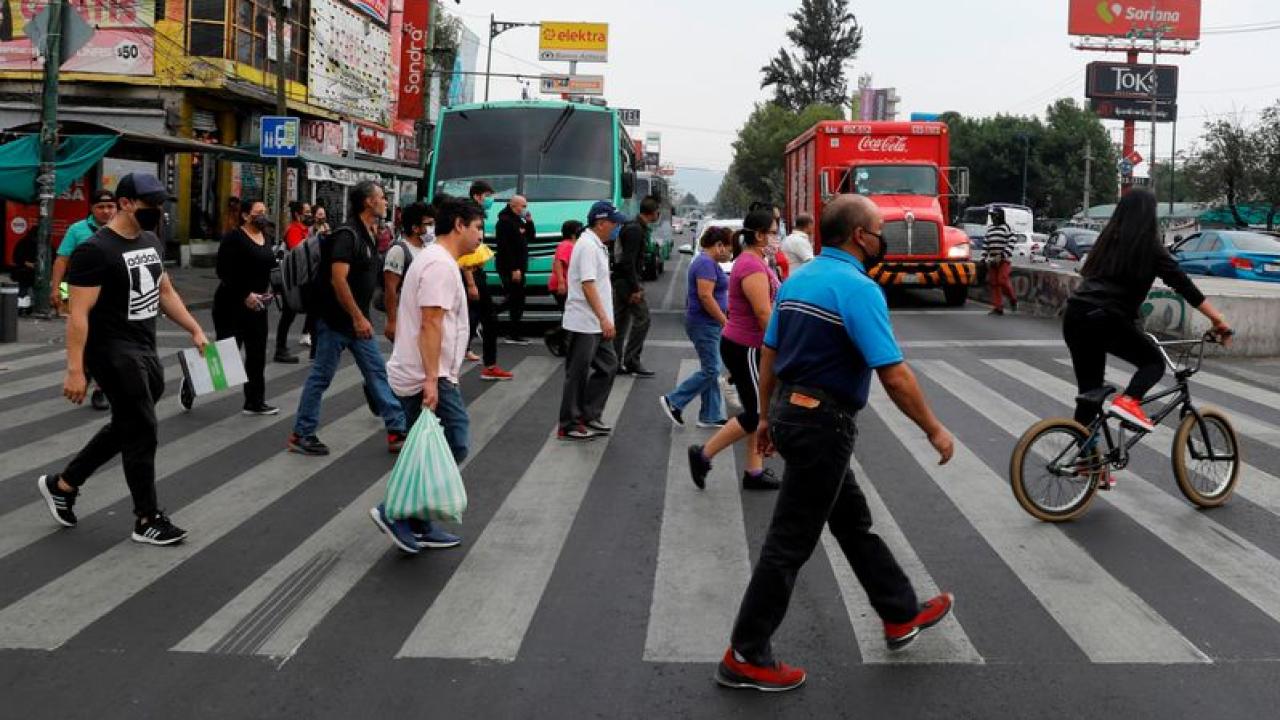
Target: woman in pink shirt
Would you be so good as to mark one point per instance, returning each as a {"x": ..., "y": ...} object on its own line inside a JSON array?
[{"x": 752, "y": 288}]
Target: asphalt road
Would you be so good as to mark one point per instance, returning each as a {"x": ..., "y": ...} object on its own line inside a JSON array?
[{"x": 595, "y": 581}]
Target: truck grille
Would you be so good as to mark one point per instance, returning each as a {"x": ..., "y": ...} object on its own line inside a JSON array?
[{"x": 924, "y": 238}]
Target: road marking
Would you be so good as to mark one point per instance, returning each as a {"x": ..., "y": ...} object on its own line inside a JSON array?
[
  {"x": 938, "y": 312},
  {"x": 945, "y": 643},
  {"x": 36, "y": 455},
  {"x": 31, "y": 522},
  {"x": 913, "y": 344},
  {"x": 57, "y": 612},
  {"x": 8, "y": 349},
  {"x": 703, "y": 560},
  {"x": 12, "y": 388},
  {"x": 486, "y": 608},
  {"x": 1255, "y": 484},
  {"x": 12, "y": 366},
  {"x": 676, "y": 277},
  {"x": 1071, "y": 586},
  {"x": 1226, "y": 555},
  {"x": 276, "y": 614}
]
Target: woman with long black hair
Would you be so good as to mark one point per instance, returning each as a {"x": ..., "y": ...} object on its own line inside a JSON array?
[
  {"x": 752, "y": 288},
  {"x": 1103, "y": 315},
  {"x": 245, "y": 261}
]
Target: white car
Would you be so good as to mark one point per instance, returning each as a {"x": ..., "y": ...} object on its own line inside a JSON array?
[
  {"x": 704, "y": 225},
  {"x": 1028, "y": 248}
]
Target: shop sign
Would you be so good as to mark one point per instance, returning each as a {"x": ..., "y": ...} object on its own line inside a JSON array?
[
  {"x": 1176, "y": 19},
  {"x": 347, "y": 63},
  {"x": 370, "y": 142},
  {"x": 413, "y": 60},
  {"x": 120, "y": 36},
  {"x": 319, "y": 172},
  {"x": 408, "y": 152},
  {"x": 322, "y": 137}
]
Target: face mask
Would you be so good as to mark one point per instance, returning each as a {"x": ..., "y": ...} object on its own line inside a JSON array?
[
  {"x": 429, "y": 235},
  {"x": 775, "y": 244},
  {"x": 617, "y": 230},
  {"x": 873, "y": 260},
  {"x": 308, "y": 221},
  {"x": 148, "y": 218},
  {"x": 488, "y": 203},
  {"x": 259, "y": 221}
]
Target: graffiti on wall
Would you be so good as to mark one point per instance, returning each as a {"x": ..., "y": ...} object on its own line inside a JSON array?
[{"x": 1165, "y": 313}]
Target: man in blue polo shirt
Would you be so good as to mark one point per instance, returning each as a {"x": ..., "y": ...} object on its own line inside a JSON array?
[{"x": 830, "y": 329}]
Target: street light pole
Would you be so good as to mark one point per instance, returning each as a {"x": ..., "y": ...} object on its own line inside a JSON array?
[
  {"x": 496, "y": 28},
  {"x": 1026, "y": 149},
  {"x": 282, "y": 110},
  {"x": 48, "y": 155}
]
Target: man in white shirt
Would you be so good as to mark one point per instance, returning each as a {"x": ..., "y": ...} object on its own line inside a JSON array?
[
  {"x": 430, "y": 345},
  {"x": 798, "y": 246},
  {"x": 591, "y": 362}
]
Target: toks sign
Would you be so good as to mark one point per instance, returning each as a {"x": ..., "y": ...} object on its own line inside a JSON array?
[
  {"x": 1120, "y": 80},
  {"x": 1177, "y": 19}
]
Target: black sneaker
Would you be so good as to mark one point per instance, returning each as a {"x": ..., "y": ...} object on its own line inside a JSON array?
[
  {"x": 99, "y": 400},
  {"x": 698, "y": 466},
  {"x": 764, "y": 481},
  {"x": 577, "y": 432},
  {"x": 639, "y": 371},
  {"x": 157, "y": 531},
  {"x": 672, "y": 412},
  {"x": 307, "y": 445},
  {"x": 58, "y": 502},
  {"x": 186, "y": 395},
  {"x": 260, "y": 409},
  {"x": 285, "y": 357},
  {"x": 598, "y": 427}
]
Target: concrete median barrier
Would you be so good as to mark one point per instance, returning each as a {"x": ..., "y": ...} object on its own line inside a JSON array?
[{"x": 1253, "y": 308}]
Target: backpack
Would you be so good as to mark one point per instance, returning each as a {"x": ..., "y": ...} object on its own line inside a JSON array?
[
  {"x": 300, "y": 271},
  {"x": 379, "y": 292}
]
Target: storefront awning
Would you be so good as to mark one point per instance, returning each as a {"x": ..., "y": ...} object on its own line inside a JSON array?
[
  {"x": 366, "y": 166},
  {"x": 20, "y": 163},
  {"x": 135, "y": 141}
]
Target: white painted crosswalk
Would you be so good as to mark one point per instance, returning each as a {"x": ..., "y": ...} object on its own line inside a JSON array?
[{"x": 700, "y": 545}]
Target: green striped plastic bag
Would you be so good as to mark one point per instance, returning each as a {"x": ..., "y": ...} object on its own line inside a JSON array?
[{"x": 425, "y": 482}]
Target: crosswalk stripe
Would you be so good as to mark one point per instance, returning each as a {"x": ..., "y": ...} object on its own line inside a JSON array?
[
  {"x": 30, "y": 523},
  {"x": 1071, "y": 586},
  {"x": 53, "y": 379},
  {"x": 486, "y": 608},
  {"x": 276, "y": 614},
  {"x": 945, "y": 643},
  {"x": 40, "y": 453},
  {"x": 8, "y": 349},
  {"x": 53, "y": 614},
  {"x": 1244, "y": 424},
  {"x": 1239, "y": 389},
  {"x": 1255, "y": 484},
  {"x": 703, "y": 560},
  {"x": 13, "y": 366},
  {"x": 1226, "y": 555}
]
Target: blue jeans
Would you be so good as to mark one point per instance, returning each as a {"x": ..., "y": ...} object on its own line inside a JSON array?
[
  {"x": 706, "y": 381},
  {"x": 329, "y": 344},
  {"x": 451, "y": 412}
]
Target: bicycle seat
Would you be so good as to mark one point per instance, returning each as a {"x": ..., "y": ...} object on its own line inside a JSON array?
[{"x": 1095, "y": 398}]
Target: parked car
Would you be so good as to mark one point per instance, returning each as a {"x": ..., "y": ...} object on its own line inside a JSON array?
[
  {"x": 1241, "y": 254},
  {"x": 1027, "y": 247},
  {"x": 1070, "y": 244}
]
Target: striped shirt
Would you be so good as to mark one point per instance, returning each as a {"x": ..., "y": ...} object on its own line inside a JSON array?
[{"x": 998, "y": 244}]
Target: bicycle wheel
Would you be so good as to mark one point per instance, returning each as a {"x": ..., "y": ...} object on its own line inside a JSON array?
[
  {"x": 1051, "y": 477},
  {"x": 1206, "y": 458}
]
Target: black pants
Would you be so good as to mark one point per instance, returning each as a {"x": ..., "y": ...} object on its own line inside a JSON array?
[
  {"x": 632, "y": 321},
  {"x": 133, "y": 384},
  {"x": 514, "y": 303},
  {"x": 590, "y": 365},
  {"x": 249, "y": 328},
  {"x": 817, "y": 488},
  {"x": 484, "y": 316},
  {"x": 283, "y": 326},
  {"x": 1091, "y": 333},
  {"x": 743, "y": 364}
]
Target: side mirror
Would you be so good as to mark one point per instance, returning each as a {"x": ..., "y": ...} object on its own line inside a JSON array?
[
  {"x": 685, "y": 249},
  {"x": 628, "y": 184}
]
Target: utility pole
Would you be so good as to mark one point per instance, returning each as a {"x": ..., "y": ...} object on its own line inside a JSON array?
[
  {"x": 1088, "y": 173},
  {"x": 282, "y": 110},
  {"x": 1173, "y": 162},
  {"x": 1026, "y": 150},
  {"x": 48, "y": 155},
  {"x": 1155, "y": 93},
  {"x": 496, "y": 28}
]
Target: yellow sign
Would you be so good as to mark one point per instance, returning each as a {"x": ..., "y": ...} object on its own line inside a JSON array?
[{"x": 574, "y": 41}]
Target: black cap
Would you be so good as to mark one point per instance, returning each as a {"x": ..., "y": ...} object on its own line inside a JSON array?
[
  {"x": 103, "y": 196},
  {"x": 142, "y": 186}
]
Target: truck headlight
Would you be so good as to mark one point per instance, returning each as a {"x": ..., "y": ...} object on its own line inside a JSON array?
[{"x": 959, "y": 252}]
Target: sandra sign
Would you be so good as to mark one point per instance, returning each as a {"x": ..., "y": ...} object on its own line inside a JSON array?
[
  {"x": 1175, "y": 19},
  {"x": 573, "y": 41},
  {"x": 1121, "y": 80}
]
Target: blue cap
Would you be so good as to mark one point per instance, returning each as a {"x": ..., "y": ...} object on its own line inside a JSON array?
[
  {"x": 604, "y": 210},
  {"x": 142, "y": 186}
]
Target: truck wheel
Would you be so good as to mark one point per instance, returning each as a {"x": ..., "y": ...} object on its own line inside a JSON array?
[{"x": 957, "y": 295}]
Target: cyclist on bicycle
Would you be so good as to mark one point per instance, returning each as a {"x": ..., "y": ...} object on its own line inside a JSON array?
[{"x": 1103, "y": 315}]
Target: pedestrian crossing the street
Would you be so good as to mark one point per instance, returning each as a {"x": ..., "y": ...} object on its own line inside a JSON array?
[{"x": 1044, "y": 583}]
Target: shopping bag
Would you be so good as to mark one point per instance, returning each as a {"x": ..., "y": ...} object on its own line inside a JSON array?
[
  {"x": 425, "y": 482},
  {"x": 219, "y": 368}
]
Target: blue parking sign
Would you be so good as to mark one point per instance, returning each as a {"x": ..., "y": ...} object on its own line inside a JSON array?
[{"x": 279, "y": 137}]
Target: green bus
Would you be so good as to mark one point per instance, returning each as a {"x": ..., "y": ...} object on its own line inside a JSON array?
[
  {"x": 560, "y": 156},
  {"x": 661, "y": 239}
]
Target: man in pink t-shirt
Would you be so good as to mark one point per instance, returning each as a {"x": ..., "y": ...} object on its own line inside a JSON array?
[{"x": 430, "y": 345}]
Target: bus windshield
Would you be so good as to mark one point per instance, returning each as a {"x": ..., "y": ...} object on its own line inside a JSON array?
[
  {"x": 542, "y": 153},
  {"x": 892, "y": 180}
]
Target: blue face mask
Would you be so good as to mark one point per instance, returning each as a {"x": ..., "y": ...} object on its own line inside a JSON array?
[
  {"x": 488, "y": 203},
  {"x": 617, "y": 230}
]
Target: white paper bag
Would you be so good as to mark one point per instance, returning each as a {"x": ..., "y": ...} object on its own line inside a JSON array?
[{"x": 219, "y": 369}]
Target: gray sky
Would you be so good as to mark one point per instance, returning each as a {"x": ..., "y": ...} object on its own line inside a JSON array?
[{"x": 692, "y": 66}]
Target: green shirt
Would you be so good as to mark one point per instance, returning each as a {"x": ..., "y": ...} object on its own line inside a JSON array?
[{"x": 76, "y": 234}]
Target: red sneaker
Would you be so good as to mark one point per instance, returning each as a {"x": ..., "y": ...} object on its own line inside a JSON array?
[
  {"x": 1130, "y": 410},
  {"x": 735, "y": 673},
  {"x": 899, "y": 635},
  {"x": 395, "y": 441},
  {"x": 493, "y": 372}
]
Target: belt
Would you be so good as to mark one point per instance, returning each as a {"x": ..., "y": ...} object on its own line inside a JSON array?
[{"x": 813, "y": 398}]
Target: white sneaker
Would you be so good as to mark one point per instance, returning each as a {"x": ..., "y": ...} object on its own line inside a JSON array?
[{"x": 306, "y": 340}]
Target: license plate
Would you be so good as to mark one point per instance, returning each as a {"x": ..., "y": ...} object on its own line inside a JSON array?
[
  {"x": 911, "y": 279},
  {"x": 1271, "y": 267}
]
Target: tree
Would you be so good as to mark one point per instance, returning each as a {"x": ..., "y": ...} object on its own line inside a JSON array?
[
  {"x": 757, "y": 153},
  {"x": 1224, "y": 165},
  {"x": 1266, "y": 166},
  {"x": 688, "y": 199},
  {"x": 827, "y": 37},
  {"x": 731, "y": 199}
]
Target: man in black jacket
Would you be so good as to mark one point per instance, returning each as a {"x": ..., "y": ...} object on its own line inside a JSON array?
[
  {"x": 631, "y": 312},
  {"x": 515, "y": 231}
]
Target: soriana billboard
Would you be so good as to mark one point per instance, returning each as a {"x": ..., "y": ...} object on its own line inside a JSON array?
[{"x": 1176, "y": 19}]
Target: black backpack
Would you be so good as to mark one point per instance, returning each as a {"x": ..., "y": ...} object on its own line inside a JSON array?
[
  {"x": 379, "y": 293},
  {"x": 300, "y": 271}
]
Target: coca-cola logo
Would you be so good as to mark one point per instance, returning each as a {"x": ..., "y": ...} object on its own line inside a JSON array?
[{"x": 883, "y": 143}]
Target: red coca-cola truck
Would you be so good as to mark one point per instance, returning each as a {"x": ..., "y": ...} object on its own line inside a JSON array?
[{"x": 903, "y": 168}]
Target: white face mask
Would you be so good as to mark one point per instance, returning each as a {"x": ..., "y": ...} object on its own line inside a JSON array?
[{"x": 429, "y": 235}]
